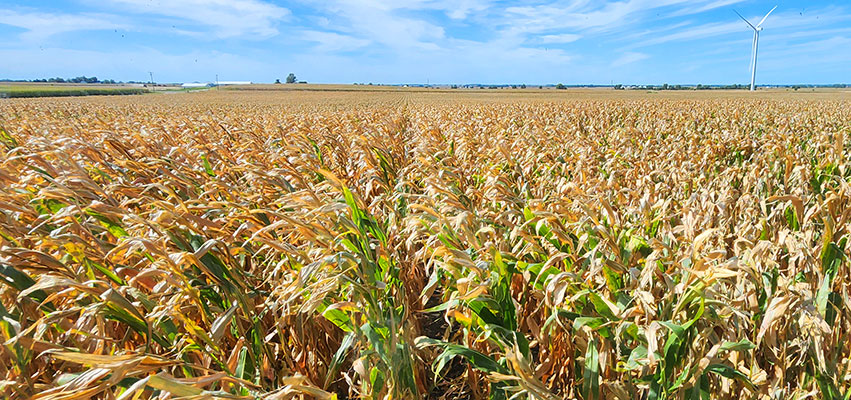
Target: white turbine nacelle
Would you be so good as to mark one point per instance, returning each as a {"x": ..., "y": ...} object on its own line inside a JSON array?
[{"x": 756, "y": 30}]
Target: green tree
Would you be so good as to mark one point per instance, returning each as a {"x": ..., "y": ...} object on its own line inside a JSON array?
[{"x": 291, "y": 78}]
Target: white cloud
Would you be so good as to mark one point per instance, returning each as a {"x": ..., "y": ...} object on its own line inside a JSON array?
[
  {"x": 331, "y": 41},
  {"x": 581, "y": 15},
  {"x": 696, "y": 32},
  {"x": 462, "y": 9},
  {"x": 807, "y": 54},
  {"x": 226, "y": 18},
  {"x": 706, "y": 7},
  {"x": 561, "y": 38},
  {"x": 629, "y": 58},
  {"x": 40, "y": 26},
  {"x": 455, "y": 9},
  {"x": 378, "y": 21}
]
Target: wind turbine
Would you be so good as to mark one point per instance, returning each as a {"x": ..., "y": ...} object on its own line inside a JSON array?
[{"x": 756, "y": 30}]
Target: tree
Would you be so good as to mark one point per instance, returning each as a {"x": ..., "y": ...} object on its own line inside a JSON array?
[
  {"x": 560, "y": 86},
  {"x": 277, "y": 81},
  {"x": 291, "y": 78}
]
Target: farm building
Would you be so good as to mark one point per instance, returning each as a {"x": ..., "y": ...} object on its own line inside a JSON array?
[{"x": 195, "y": 85}]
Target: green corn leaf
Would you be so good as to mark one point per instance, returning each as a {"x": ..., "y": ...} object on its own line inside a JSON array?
[
  {"x": 729, "y": 372},
  {"x": 591, "y": 372},
  {"x": 339, "y": 357},
  {"x": 742, "y": 345},
  {"x": 477, "y": 360},
  {"x": 207, "y": 167}
]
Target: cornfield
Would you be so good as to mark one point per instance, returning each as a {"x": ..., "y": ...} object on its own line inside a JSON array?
[{"x": 244, "y": 246}]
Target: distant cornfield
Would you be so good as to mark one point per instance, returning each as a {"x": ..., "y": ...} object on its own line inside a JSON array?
[
  {"x": 14, "y": 91},
  {"x": 207, "y": 246}
]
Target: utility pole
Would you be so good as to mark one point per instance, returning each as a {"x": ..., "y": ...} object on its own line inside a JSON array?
[
  {"x": 153, "y": 86},
  {"x": 217, "y": 81}
]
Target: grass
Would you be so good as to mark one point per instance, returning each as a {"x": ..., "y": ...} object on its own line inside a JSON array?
[{"x": 410, "y": 245}]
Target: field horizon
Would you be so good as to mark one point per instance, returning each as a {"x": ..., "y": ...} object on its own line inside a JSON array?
[{"x": 19, "y": 87}]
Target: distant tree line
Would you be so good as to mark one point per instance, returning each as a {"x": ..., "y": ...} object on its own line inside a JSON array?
[
  {"x": 79, "y": 79},
  {"x": 714, "y": 87},
  {"x": 666, "y": 86},
  {"x": 834, "y": 86}
]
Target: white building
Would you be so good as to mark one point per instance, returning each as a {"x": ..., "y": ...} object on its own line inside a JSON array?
[{"x": 195, "y": 85}]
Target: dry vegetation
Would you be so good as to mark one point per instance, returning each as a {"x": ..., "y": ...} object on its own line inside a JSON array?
[
  {"x": 407, "y": 246},
  {"x": 28, "y": 89}
]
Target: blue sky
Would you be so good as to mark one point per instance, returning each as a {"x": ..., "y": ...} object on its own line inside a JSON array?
[{"x": 418, "y": 41}]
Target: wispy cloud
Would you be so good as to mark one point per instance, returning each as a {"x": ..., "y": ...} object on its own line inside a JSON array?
[
  {"x": 455, "y": 9},
  {"x": 39, "y": 26},
  {"x": 808, "y": 54},
  {"x": 560, "y": 38},
  {"x": 704, "y": 8},
  {"x": 695, "y": 32},
  {"x": 331, "y": 41},
  {"x": 224, "y": 18},
  {"x": 380, "y": 23},
  {"x": 582, "y": 15},
  {"x": 629, "y": 58}
]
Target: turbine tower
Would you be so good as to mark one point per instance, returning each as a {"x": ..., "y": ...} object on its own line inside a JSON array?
[{"x": 756, "y": 30}]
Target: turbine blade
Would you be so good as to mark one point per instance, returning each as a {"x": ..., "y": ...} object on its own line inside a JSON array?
[
  {"x": 744, "y": 19},
  {"x": 766, "y": 16}
]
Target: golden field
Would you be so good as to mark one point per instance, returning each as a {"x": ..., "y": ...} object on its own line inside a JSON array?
[{"x": 394, "y": 244}]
